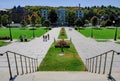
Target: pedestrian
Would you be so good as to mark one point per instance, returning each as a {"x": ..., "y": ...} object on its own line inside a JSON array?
[
  {"x": 43, "y": 38},
  {"x": 48, "y": 36}
]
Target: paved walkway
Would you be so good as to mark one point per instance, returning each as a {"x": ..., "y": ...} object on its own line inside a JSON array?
[
  {"x": 35, "y": 48},
  {"x": 88, "y": 47}
]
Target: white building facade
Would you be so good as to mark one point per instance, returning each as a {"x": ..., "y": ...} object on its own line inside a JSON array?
[
  {"x": 79, "y": 13},
  {"x": 44, "y": 14},
  {"x": 61, "y": 13}
]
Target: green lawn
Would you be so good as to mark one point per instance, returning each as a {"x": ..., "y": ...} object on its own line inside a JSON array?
[
  {"x": 62, "y": 36},
  {"x": 102, "y": 40},
  {"x": 2, "y": 43},
  {"x": 117, "y": 42},
  {"x": 70, "y": 61},
  {"x": 16, "y": 32},
  {"x": 103, "y": 33}
]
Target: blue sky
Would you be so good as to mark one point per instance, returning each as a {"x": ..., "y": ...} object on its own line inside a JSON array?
[{"x": 11, "y": 3}]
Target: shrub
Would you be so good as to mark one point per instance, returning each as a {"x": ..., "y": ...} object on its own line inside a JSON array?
[
  {"x": 61, "y": 43},
  {"x": 4, "y": 38},
  {"x": 62, "y": 32}
]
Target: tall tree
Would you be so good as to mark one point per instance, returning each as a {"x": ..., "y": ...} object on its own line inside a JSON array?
[
  {"x": 71, "y": 18},
  {"x": 0, "y": 20},
  {"x": 4, "y": 19},
  {"x": 23, "y": 23},
  {"x": 35, "y": 18},
  {"x": 52, "y": 16},
  {"x": 79, "y": 22},
  {"x": 46, "y": 23},
  {"x": 94, "y": 20}
]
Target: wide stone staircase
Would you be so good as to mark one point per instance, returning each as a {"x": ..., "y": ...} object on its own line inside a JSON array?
[
  {"x": 62, "y": 76},
  {"x": 17, "y": 67}
]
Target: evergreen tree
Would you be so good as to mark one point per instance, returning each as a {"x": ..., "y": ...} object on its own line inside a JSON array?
[{"x": 52, "y": 16}]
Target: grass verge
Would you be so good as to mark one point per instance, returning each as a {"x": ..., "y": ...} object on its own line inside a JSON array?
[
  {"x": 55, "y": 60},
  {"x": 117, "y": 42},
  {"x": 62, "y": 36},
  {"x": 2, "y": 43},
  {"x": 103, "y": 33},
  {"x": 101, "y": 40},
  {"x": 16, "y": 32}
]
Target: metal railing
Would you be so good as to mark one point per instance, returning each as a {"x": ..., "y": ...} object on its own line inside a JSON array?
[
  {"x": 20, "y": 64},
  {"x": 94, "y": 64}
]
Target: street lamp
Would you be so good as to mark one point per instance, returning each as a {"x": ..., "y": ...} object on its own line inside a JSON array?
[
  {"x": 10, "y": 31},
  {"x": 33, "y": 32},
  {"x": 0, "y": 20},
  {"x": 115, "y": 37},
  {"x": 91, "y": 32}
]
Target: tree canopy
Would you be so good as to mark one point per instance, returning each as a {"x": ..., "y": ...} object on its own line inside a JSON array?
[{"x": 52, "y": 16}]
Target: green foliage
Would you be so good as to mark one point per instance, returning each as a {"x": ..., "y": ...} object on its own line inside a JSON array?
[
  {"x": 52, "y": 16},
  {"x": 70, "y": 61},
  {"x": 78, "y": 22},
  {"x": 35, "y": 19},
  {"x": 102, "y": 40},
  {"x": 4, "y": 19},
  {"x": 94, "y": 20},
  {"x": 86, "y": 21},
  {"x": 70, "y": 18},
  {"x": 16, "y": 32},
  {"x": 103, "y": 33},
  {"x": 117, "y": 42},
  {"x": 108, "y": 23},
  {"x": 103, "y": 23},
  {"x": 0, "y": 20},
  {"x": 23, "y": 23},
  {"x": 62, "y": 34},
  {"x": 46, "y": 23},
  {"x": 2, "y": 43}
]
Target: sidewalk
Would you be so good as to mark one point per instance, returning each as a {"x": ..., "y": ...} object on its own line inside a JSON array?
[
  {"x": 88, "y": 47},
  {"x": 36, "y": 48}
]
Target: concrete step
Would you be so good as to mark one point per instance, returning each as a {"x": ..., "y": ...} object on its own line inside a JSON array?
[{"x": 62, "y": 76}]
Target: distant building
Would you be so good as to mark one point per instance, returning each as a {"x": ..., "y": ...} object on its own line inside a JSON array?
[
  {"x": 79, "y": 13},
  {"x": 44, "y": 14},
  {"x": 61, "y": 13},
  {"x": 3, "y": 11},
  {"x": 18, "y": 14}
]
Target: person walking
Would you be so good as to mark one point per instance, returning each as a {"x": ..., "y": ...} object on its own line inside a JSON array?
[
  {"x": 43, "y": 38},
  {"x": 48, "y": 36}
]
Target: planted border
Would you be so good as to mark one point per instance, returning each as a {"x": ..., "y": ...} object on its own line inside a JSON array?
[
  {"x": 62, "y": 34},
  {"x": 55, "y": 60}
]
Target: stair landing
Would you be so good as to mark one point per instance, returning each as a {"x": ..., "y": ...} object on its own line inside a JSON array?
[{"x": 62, "y": 76}]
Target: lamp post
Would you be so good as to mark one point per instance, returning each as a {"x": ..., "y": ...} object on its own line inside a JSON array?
[
  {"x": 10, "y": 31},
  {"x": 33, "y": 31},
  {"x": 0, "y": 20},
  {"x": 91, "y": 32},
  {"x": 115, "y": 37}
]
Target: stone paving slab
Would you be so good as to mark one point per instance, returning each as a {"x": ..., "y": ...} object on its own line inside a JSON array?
[
  {"x": 88, "y": 47},
  {"x": 62, "y": 76},
  {"x": 36, "y": 48}
]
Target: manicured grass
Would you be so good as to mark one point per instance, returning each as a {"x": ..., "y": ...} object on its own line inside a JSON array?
[
  {"x": 62, "y": 36},
  {"x": 101, "y": 40},
  {"x": 117, "y": 42},
  {"x": 70, "y": 61},
  {"x": 103, "y": 33},
  {"x": 2, "y": 43},
  {"x": 16, "y": 32}
]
